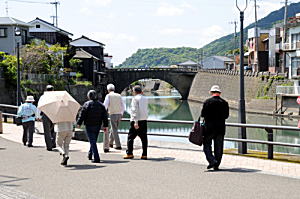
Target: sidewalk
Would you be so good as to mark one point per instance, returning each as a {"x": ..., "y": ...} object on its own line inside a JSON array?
[{"x": 170, "y": 150}]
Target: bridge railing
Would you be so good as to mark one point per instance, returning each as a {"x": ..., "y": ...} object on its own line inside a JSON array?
[
  {"x": 268, "y": 128},
  {"x": 155, "y": 69}
]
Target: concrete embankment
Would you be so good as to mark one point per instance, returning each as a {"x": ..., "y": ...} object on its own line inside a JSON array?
[{"x": 256, "y": 86}]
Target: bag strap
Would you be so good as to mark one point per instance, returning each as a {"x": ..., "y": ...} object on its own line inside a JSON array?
[{"x": 200, "y": 118}]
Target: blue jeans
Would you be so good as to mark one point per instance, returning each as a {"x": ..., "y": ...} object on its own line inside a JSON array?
[{"x": 92, "y": 133}]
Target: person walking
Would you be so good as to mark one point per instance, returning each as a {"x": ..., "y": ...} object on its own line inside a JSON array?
[
  {"x": 115, "y": 106},
  {"x": 138, "y": 123},
  {"x": 48, "y": 126},
  {"x": 215, "y": 111},
  {"x": 93, "y": 114},
  {"x": 64, "y": 136},
  {"x": 28, "y": 112}
]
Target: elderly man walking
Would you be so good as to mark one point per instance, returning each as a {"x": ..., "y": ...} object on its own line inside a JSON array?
[
  {"x": 215, "y": 111},
  {"x": 48, "y": 126},
  {"x": 138, "y": 123},
  {"x": 115, "y": 106}
]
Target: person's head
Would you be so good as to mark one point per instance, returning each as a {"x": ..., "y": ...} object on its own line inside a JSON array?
[
  {"x": 49, "y": 88},
  {"x": 29, "y": 99},
  {"x": 92, "y": 95},
  {"x": 137, "y": 90},
  {"x": 215, "y": 90},
  {"x": 110, "y": 87}
]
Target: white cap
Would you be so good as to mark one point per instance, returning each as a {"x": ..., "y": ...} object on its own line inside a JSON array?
[
  {"x": 110, "y": 87},
  {"x": 29, "y": 99},
  {"x": 215, "y": 88}
]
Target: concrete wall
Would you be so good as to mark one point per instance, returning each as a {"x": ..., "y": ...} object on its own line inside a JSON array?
[{"x": 229, "y": 84}]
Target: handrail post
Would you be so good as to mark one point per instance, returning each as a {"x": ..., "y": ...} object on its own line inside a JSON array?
[
  {"x": 1, "y": 123},
  {"x": 270, "y": 146}
]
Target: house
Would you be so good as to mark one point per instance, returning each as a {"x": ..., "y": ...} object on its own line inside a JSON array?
[
  {"x": 90, "y": 52},
  {"x": 218, "y": 62},
  {"x": 258, "y": 53},
  {"x": 8, "y": 37},
  {"x": 44, "y": 30},
  {"x": 275, "y": 53},
  {"x": 189, "y": 64}
]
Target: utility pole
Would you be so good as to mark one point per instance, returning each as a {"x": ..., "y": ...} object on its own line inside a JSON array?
[
  {"x": 283, "y": 65},
  {"x": 235, "y": 37},
  {"x": 6, "y": 8},
  {"x": 257, "y": 37},
  {"x": 55, "y": 3}
]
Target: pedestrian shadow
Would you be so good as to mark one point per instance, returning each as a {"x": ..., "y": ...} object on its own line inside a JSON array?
[
  {"x": 114, "y": 161},
  {"x": 161, "y": 159},
  {"x": 235, "y": 170},
  {"x": 83, "y": 166},
  {"x": 10, "y": 179},
  {"x": 176, "y": 148},
  {"x": 2, "y": 149}
]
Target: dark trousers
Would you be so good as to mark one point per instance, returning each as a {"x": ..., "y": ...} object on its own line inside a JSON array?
[
  {"x": 92, "y": 133},
  {"x": 141, "y": 132},
  {"x": 50, "y": 135},
  {"x": 218, "y": 148},
  {"x": 28, "y": 130}
]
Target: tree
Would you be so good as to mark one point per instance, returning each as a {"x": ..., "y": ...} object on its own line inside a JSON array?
[{"x": 8, "y": 63}]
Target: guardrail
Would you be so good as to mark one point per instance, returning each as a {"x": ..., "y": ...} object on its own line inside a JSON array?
[{"x": 269, "y": 129}]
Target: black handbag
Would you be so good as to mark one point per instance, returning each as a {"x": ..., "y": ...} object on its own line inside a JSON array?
[
  {"x": 197, "y": 132},
  {"x": 18, "y": 121}
]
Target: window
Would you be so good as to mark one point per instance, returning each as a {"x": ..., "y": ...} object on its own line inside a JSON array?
[
  {"x": 295, "y": 66},
  {"x": 3, "y": 32},
  {"x": 37, "y": 26}
]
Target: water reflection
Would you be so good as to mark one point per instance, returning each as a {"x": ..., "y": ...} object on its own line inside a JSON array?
[{"x": 172, "y": 108}]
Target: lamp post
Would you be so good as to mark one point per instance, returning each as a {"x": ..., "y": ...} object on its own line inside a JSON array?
[
  {"x": 242, "y": 147},
  {"x": 17, "y": 35}
]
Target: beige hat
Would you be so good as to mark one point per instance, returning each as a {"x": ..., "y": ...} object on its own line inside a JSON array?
[
  {"x": 29, "y": 99},
  {"x": 215, "y": 88}
]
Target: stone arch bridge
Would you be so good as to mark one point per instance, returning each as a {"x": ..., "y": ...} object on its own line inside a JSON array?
[{"x": 180, "y": 78}]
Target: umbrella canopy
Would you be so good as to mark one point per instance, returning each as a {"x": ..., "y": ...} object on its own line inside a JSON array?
[{"x": 59, "y": 106}]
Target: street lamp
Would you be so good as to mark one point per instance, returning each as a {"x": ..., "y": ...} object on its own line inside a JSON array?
[
  {"x": 242, "y": 147},
  {"x": 17, "y": 35}
]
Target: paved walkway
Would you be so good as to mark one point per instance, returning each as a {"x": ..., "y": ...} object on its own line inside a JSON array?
[{"x": 173, "y": 170}]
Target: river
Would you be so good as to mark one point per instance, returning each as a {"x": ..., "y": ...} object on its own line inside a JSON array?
[{"x": 166, "y": 107}]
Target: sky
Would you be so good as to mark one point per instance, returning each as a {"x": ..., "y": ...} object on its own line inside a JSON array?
[{"x": 125, "y": 26}]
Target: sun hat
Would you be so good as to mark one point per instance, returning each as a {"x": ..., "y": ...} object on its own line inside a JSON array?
[
  {"x": 215, "y": 88},
  {"x": 29, "y": 99}
]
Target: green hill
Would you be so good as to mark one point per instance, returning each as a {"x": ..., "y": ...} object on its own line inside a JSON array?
[{"x": 170, "y": 56}]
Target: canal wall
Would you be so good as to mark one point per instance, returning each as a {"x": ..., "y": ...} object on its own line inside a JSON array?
[{"x": 260, "y": 88}]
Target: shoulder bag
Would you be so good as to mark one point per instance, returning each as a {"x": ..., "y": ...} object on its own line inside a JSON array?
[{"x": 197, "y": 132}]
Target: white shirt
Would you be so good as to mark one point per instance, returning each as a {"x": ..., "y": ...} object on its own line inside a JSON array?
[
  {"x": 139, "y": 108},
  {"x": 114, "y": 104}
]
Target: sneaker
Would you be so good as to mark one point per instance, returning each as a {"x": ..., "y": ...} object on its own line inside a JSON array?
[
  {"x": 128, "y": 156},
  {"x": 30, "y": 145},
  {"x": 90, "y": 156},
  {"x": 111, "y": 146},
  {"x": 118, "y": 148},
  {"x": 144, "y": 157},
  {"x": 106, "y": 150},
  {"x": 24, "y": 143}
]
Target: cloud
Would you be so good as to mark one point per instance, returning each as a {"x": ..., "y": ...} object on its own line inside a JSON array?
[
  {"x": 171, "y": 31},
  {"x": 166, "y": 9},
  {"x": 211, "y": 33}
]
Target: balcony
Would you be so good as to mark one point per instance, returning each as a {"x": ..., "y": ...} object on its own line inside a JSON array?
[{"x": 291, "y": 46}]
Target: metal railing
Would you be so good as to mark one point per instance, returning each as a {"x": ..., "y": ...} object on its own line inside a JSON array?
[{"x": 268, "y": 128}]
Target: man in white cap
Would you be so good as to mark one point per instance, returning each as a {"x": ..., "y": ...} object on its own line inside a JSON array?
[
  {"x": 48, "y": 126},
  {"x": 215, "y": 111},
  {"x": 115, "y": 107},
  {"x": 28, "y": 112}
]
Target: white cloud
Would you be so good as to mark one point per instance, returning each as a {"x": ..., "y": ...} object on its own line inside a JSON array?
[
  {"x": 211, "y": 33},
  {"x": 171, "y": 31},
  {"x": 169, "y": 10}
]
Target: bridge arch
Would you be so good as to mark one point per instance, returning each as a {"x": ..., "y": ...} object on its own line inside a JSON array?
[{"x": 181, "y": 79}]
